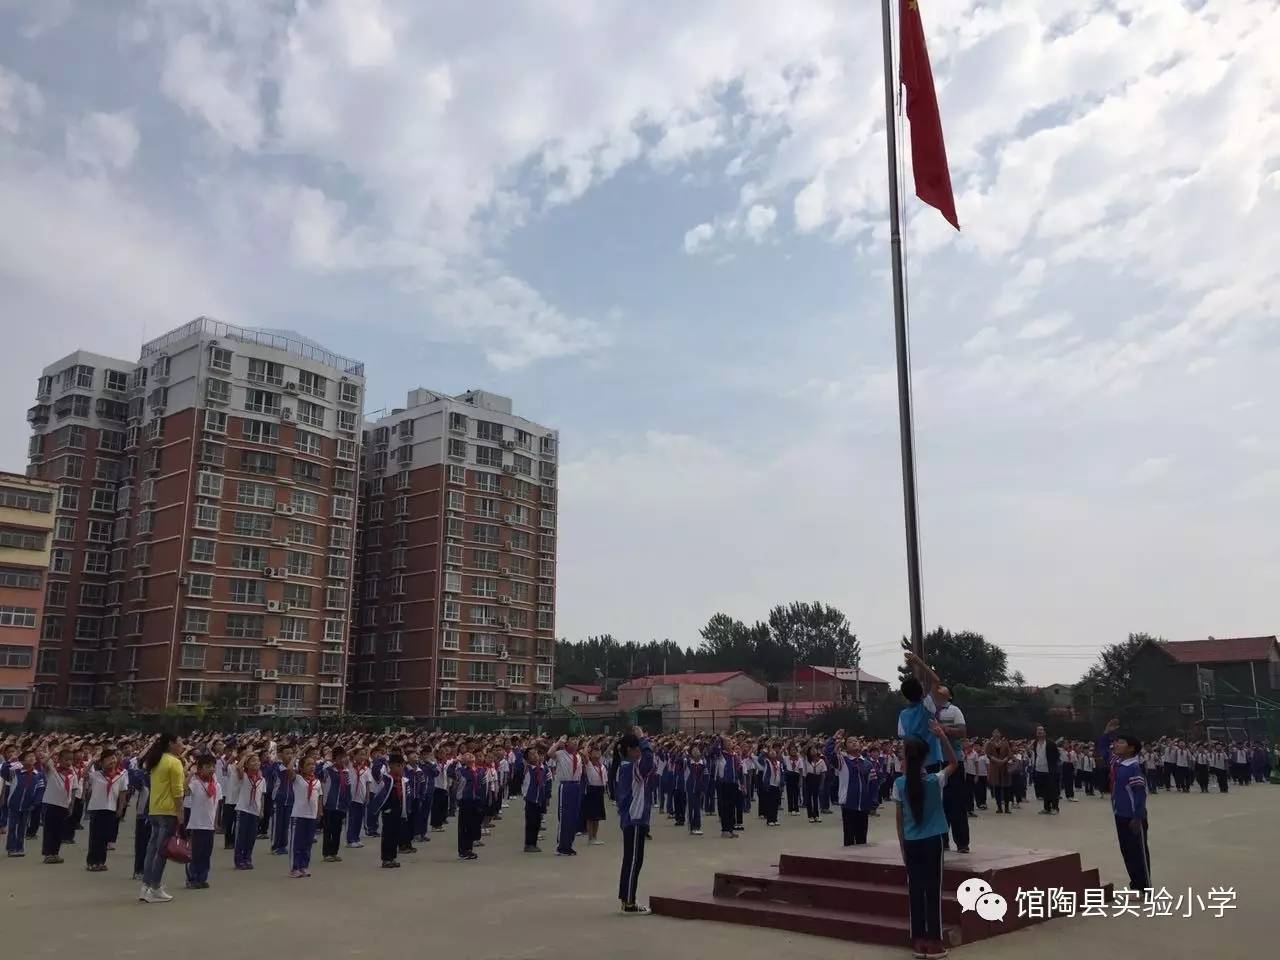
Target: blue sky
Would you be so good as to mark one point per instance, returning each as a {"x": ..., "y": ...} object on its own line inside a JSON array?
[{"x": 661, "y": 229}]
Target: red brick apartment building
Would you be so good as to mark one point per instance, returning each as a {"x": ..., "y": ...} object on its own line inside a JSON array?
[
  {"x": 26, "y": 523},
  {"x": 456, "y": 571},
  {"x": 204, "y": 528}
]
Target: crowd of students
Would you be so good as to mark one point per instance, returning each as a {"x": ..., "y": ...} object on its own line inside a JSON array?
[{"x": 286, "y": 796}]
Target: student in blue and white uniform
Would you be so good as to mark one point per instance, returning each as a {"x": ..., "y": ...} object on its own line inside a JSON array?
[
  {"x": 282, "y": 802},
  {"x": 389, "y": 797},
  {"x": 204, "y": 794},
  {"x": 307, "y": 796},
  {"x": 531, "y": 787},
  {"x": 26, "y": 783},
  {"x": 857, "y": 790},
  {"x": 1129, "y": 803},
  {"x": 362, "y": 784},
  {"x": 250, "y": 805},
  {"x": 337, "y": 802},
  {"x": 595, "y": 782},
  {"x": 697, "y": 782},
  {"x": 568, "y": 778},
  {"x": 769, "y": 776},
  {"x": 633, "y": 815}
]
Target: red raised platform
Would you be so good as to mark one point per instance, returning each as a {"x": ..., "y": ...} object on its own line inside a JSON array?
[{"x": 860, "y": 893}]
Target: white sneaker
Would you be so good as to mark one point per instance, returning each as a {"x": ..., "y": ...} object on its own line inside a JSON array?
[
  {"x": 162, "y": 893},
  {"x": 142, "y": 894},
  {"x": 155, "y": 896},
  {"x": 597, "y": 843}
]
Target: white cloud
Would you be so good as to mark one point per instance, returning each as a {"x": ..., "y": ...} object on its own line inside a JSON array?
[
  {"x": 1044, "y": 327},
  {"x": 20, "y": 102},
  {"x": 697, "y": 238},
  {"x": 988, "y": 338},
  {"x": 760, "y": 219},
  {"x": 102, "y": 140}
]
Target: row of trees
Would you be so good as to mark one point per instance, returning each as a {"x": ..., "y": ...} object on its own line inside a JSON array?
[{"x": 795, "y": 634}]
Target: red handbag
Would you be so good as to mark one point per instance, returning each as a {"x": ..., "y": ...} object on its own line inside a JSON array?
[{"x": 177, "y": 849}]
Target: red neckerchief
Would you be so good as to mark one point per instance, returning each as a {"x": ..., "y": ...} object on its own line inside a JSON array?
[
  {"x": 66, "y": 779},
  {"x": 210, "y": 786},
  {"x": 311, "y": 786},
  {"x": 773, "y": 768},
  {"x": 574, "y": 755},
  {"x": 111, "y": 779},
  {"x": 254, "y": 780},
  {"x": 395, "y": 787}
]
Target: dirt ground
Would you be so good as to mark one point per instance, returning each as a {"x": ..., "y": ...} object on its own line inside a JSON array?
[{"x": 512, "y": 905}]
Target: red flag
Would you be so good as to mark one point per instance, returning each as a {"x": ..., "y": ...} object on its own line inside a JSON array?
[{"x": 928, "y": 152}]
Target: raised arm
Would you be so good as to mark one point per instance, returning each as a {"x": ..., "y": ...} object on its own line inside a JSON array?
[{"x": 924, "y": 673}]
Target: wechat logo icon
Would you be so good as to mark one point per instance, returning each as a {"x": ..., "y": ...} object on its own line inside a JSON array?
[{"x": 975, "y": 894}]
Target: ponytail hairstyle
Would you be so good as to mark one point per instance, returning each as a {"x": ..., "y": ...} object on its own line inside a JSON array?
[
  {"x": 914, "y": 751},
  {"x": 159, "y": 747}
]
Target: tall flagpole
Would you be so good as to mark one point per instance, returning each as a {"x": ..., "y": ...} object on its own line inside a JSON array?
[{"x": 905, "y": 427}]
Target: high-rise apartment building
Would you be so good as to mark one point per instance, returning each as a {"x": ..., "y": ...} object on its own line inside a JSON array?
[
  {"x": 204, "y": 533},
  {"x": 26, "y": 524},
  {"x": 456, "y": 569},
  {"x": 79, "y": 420}
]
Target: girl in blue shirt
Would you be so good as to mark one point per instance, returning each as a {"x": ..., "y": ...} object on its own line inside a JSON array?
[{"x": 922, "y": 827}]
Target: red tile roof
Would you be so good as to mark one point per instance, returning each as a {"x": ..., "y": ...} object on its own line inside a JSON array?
[
  {"x": 846, "y": 673},
  {"x": 1221, "y": 650},
  {"x": 676, "y": 679}
]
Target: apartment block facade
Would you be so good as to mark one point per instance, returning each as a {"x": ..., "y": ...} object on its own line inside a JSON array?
[
  {"x": 204, "y": 534},
  {"x": 456, "y": 567},
  {"x": 26, "y": 526}
]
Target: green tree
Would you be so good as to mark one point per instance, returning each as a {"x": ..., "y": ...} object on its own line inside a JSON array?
[
  {"x": 1110, "y": 679},
  {"x": 814, "y": 633},
  {"x": 962, "y": 658}
]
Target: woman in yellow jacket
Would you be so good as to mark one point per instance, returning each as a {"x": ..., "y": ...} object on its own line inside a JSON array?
[{"x": 168, "y": 786}]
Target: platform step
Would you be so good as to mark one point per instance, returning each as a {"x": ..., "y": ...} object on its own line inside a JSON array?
[
  {"x": 882, "y": 864},
  {"x": 697, "y": 904},
  {"x": 843, "y": 895}
]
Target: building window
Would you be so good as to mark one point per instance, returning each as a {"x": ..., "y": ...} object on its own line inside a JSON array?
[
  {"x": 342, "y": 508},
  {"x": 208, "y": 484},
  {"x": 56, "y": 593},
  {"x": 193, "y": 655},
  {"x": 452, "y": 610},
  {"x": 220, "y": 359},
  {"x": 82, "y": 661},
  {"x": 239, "y": 660},
  {"x": 19, "y": 579},
  {"x": 312, "y": 414},
  {"x": 200, "y": 585},
  {"x": 254, "y": 524},
  {"x": 289, "y": 698},
  {"x": 253, "y": 494},
  {"x": 259, "y": 463},
  {"x": 486, "y": 430},
  {"x": 457, "y": 448},
  {"x": 16, "y": 657},
  {"x": 481, "y": 701},
  {"x": 349, "y": 392},
  {"x": 247, "y": 591},
  {"x": 206, "y": 517},
  {"x": 297, "y": 595},
  {"x": 292, "y": 663},
  {"x": 488, "y": 456},
  {"x": 51, "y": 628},
  {"x": 244, "y": 626},
  {"x": 202, "y": 551},
  {"x": 18, "y": 616},
  {"x": 544, "y": 673},
  {"x": 333, "y": 631},
  {"x": 260, "y": 431},
  {"x": 190, "y": 691},
  {"x": 219, "y": 391},
  {"x": 484, "y": 642},
  {"x": 48, "y": 661},
  {"x": 448, "y": 699},
  {"x": 263, "y": 371},
  {"x": 195, "y": 621},
  {"x": 306, "y": 442},
  {"x": 516, "y": 674},
  {"x": 328, "y": 697}
]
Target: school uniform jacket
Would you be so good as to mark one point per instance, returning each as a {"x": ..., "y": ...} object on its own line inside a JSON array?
[
  {"x": 383, "y": 790},
  {"x": 1128, "y": 789},
  {"x": 252, "y": 795},
  {"x": 695, "y": 777},
  {"x": 632, "y": 796},
  {"x": 25, "y": 788},
  {"x": 337, "y": 788},
  {"x": 858, "y": 783},
  {"x": 770, "y": 771}
]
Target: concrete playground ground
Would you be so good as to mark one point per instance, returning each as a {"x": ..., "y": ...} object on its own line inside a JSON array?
[{"x": 516, "y": 906}]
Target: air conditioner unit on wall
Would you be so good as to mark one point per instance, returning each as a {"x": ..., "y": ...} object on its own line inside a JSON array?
[{"x": 1187, "y": 708}]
